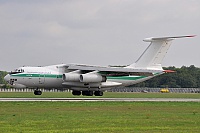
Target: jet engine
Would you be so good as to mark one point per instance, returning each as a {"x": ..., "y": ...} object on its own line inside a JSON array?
[
  {"x": 71, "y": 77},
  {"x": 92, "y": 78}
]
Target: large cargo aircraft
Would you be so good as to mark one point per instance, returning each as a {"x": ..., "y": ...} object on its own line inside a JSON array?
[{"x": 90, "y": 80}]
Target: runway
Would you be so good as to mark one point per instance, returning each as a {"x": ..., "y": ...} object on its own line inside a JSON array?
[{"x": 102, "y": 99}]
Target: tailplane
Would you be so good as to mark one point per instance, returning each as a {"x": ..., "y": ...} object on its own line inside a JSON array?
[{"x": 153, "y": 56}]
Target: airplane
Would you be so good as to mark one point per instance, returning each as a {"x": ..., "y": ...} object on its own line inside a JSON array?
[{"x": 90, "y": 80}]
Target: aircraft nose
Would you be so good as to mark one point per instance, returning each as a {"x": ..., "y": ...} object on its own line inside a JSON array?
[{"x": 7, "y": 77}]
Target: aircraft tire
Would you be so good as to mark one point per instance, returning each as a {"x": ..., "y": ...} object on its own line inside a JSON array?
[
  {"x": 76, "y": 93},
  {"x": 37, "y": 92},
  {"x": 90, "y": 93},
  {"x": 98, "y": 93},
  {"x": 87, "y": 93}
]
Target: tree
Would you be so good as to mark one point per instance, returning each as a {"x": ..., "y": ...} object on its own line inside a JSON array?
[
  {"x": 2, "y": 75},
  {"x": 184, "y": 77}
]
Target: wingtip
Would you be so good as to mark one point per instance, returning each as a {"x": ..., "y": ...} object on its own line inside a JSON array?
[
  {"x": 184, "y": 36},
  {"x": 191, "y": 36}
]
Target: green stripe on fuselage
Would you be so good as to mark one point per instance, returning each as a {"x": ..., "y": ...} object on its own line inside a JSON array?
[
  {"x": 60, "y": 76},
  {"x": 37, "y": 75}
]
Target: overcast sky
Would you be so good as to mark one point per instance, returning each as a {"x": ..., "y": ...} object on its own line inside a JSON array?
[{"x": 97, "y": 32}]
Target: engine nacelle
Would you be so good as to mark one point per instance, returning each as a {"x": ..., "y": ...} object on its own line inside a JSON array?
[
  {"x": 71, "y": 77},
  {"x": 92, "y": 78}
]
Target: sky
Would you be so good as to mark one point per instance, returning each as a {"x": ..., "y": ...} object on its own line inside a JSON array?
[{"x": 96, "y": 32}]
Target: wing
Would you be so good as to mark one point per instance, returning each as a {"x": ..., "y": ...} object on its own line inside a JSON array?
[{"x": 112, "y": 71}]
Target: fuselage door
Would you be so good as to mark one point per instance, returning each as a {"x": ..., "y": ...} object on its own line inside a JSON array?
[{"x": 41, "y": 78}]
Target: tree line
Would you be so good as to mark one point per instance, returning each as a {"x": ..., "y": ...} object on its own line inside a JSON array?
[
  {"x": 2, "y": 75},
  {"x": 184, "y": 77}
]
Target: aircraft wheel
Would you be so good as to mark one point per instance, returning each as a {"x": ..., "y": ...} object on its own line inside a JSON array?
[
  {"x": 90, "y": 93},
  {"x": 37, "y": 92},
  {"x": 98, "y": 93},
  {"x": 84, "y": 93},
  {"x": 77, "y": 93},
  {"x": 87, "y": 93}
]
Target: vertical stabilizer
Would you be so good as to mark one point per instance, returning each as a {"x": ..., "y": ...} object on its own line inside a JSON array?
[{"x": 153, "y": 56}]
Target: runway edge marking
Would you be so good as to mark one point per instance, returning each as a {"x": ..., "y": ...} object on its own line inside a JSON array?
[{"x": 102, "y": 99}]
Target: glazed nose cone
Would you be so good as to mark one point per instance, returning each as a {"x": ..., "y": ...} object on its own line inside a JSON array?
[{"x": 7, "y": 77}]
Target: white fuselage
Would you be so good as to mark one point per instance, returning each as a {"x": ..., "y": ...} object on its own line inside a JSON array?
[{"x": 52, "y": 77}]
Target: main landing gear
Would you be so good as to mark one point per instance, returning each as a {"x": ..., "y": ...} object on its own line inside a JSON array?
[
  {"x": 37, "y": 92},
  {"x": 87, "y": 93},
  {"x": 76, "y": 93}
]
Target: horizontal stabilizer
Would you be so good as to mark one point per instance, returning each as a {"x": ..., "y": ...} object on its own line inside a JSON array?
[{"x": 165, "y": 38}]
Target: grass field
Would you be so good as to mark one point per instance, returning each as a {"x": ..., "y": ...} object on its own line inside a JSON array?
[
  {"x": 106, "y": 95},
  {"x": 103, "y": 117}
]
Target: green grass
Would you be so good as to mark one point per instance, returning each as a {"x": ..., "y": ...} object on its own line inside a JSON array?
[
  {"x": 106, "y": 95},
  {"x": 103, "y": 117}
]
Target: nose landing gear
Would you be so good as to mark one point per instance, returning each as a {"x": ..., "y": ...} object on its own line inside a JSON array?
[{"x": 37, "y": 92}]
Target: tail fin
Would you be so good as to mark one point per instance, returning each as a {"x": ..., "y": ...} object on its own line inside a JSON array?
[{"x": 153, "y": 56}]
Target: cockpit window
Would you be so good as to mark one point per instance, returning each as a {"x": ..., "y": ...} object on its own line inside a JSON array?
[{"x": 17, "y": 71}]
